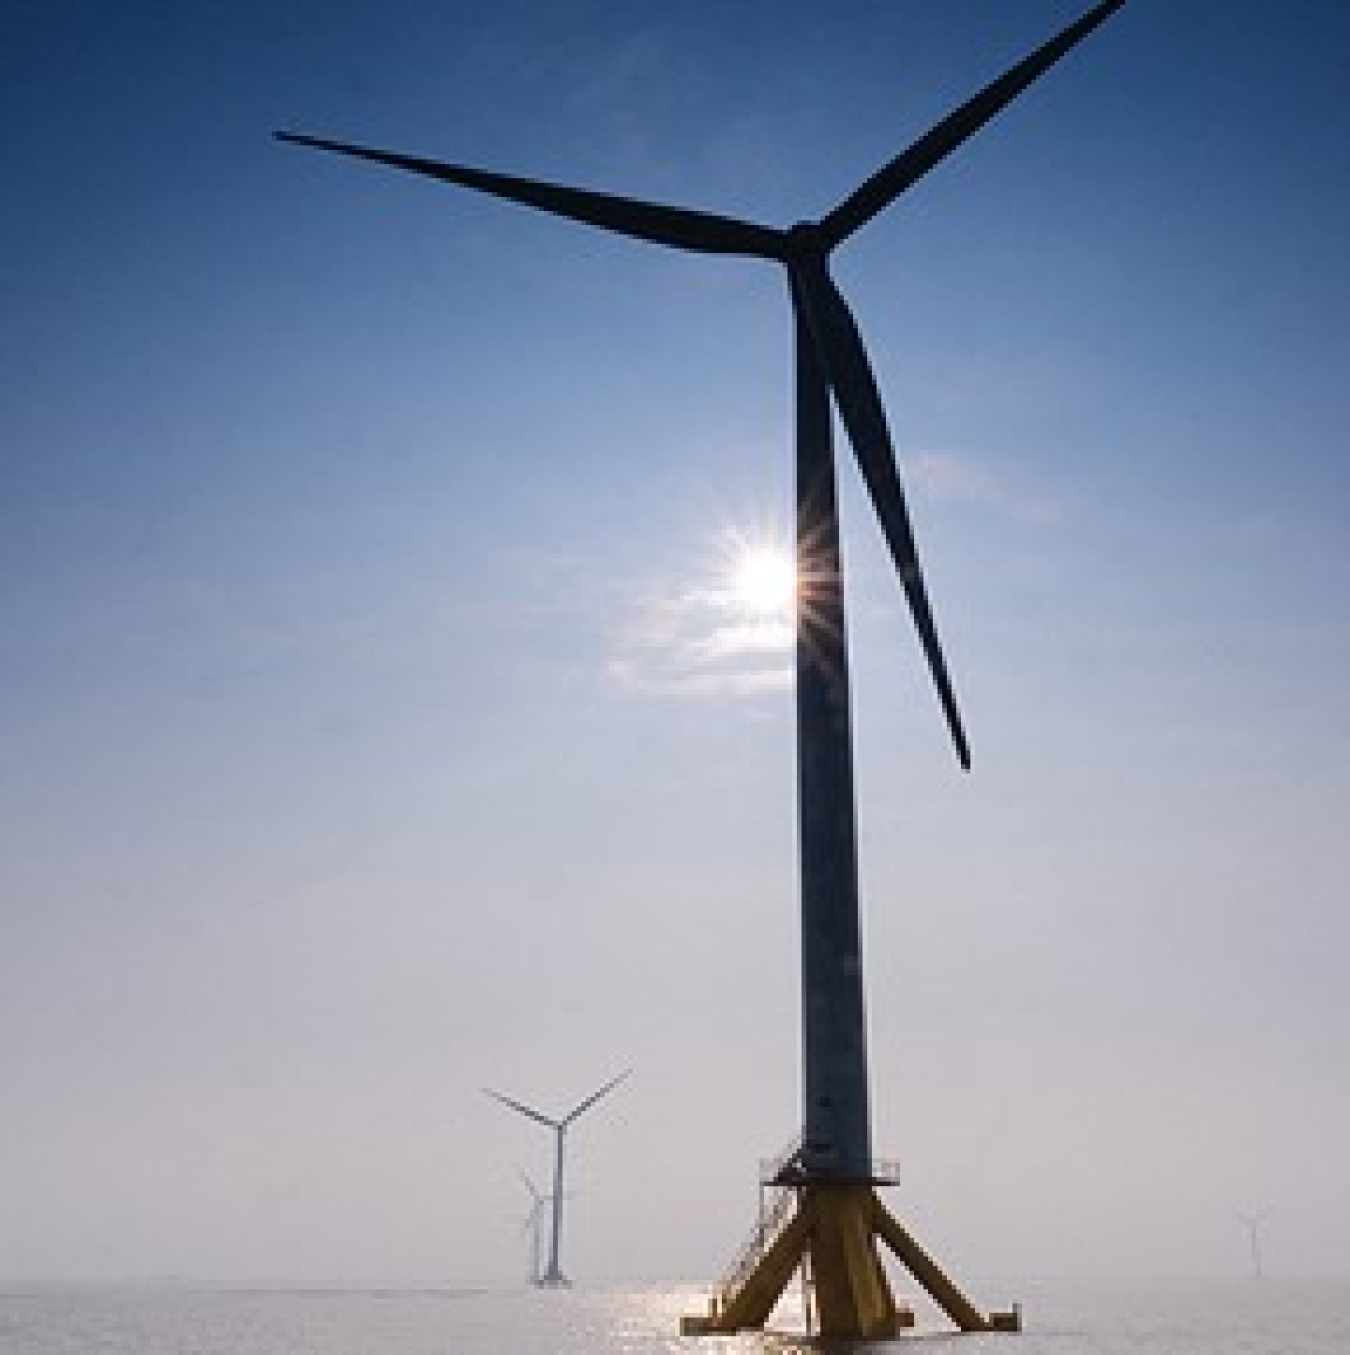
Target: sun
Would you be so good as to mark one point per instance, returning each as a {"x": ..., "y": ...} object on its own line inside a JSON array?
[{"x": 764, "y": 581}]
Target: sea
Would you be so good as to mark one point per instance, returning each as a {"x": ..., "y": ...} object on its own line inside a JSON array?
[{"x": 1257, "y": 1316}]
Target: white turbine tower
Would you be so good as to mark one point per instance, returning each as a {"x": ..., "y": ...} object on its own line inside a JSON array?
[
  {"x": 533, "y": 1224},
  {"x": 553, "y": 1277}
]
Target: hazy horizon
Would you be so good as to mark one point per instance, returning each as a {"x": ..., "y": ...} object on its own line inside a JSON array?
[{"x": 379, "y": 722}]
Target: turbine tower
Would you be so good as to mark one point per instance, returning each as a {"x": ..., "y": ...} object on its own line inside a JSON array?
[
  {"x": 553, "y": 1277},
  {"x": 838, "y": 1217}
]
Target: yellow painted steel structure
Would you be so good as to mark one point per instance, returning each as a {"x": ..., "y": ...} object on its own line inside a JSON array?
[{"x": 833, "y": 1238}]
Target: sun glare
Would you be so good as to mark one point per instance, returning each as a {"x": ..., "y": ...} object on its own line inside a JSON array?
[{"x": 764, "y": 581}]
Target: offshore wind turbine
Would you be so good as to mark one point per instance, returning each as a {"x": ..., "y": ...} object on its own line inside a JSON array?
[
  {"x": 838, "y": 1217},
  {"x": 1253, "y": 1223},
  {"x": 553, "y": 1277},
  {"x": 533, "y": 1225}
]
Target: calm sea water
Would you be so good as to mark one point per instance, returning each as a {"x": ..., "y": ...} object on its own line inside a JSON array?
[{"x": 1267, "y": 1317}]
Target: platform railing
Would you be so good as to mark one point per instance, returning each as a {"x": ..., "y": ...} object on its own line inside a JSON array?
[
  {"x": 780, "y": 1177},
  {"x": 773, "y": 1169},
  {"x": 787, "y": 1170}
]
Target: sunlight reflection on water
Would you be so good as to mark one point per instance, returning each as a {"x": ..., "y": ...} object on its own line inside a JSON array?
[{"x": 1271, "y": 1317}]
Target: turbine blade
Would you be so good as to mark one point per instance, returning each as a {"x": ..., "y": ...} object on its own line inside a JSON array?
[
  {"x": 892, "y": 179},
  {"x": 595, "y": 1096},
  {"x": 523, "y": 1109},
  {"x": 530, "y": 1186},
  {"x": 676, "y": 227},
  {"x": 844, "y": 360}
]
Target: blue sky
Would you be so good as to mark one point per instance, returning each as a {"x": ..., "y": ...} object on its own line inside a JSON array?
[{"x": 367, "y": 737}]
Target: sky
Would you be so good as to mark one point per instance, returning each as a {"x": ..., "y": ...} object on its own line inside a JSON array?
[{"x": 379, "y": 724}]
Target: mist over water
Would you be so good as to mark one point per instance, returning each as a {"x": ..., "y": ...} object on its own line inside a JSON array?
[
  {"x": 375, "y": 728},
  {"x": 1078, "y": 1317}
]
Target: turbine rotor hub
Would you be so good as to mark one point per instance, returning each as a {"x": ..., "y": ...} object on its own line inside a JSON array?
[{"x": 806, "y": 244}]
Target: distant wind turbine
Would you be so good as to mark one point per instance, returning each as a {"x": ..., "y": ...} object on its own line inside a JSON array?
[
  {"x": 839, "y": 1217},
  {"x": 553, "y": 1276},
  {"x": 533, "y": 1224},
  {"x": 1253, "y": 1224}
]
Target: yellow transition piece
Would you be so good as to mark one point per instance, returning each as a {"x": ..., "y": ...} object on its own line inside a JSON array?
[{"x": 833, "y": 1233}]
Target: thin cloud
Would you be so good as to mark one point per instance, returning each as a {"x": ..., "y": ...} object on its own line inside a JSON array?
[
  {"x": 650, "y": 681},
  {"x": 702, "y": 643},
  {"x": 960, "y": 478},
  {"x": 736, "y": 641}
]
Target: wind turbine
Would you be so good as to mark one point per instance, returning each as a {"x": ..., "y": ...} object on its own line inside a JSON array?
[
  {"x": 533, "y": 1224},
  {"x": 553, "y": 1277},
  {"x": 1253, "y": 1224},
  {"x": 839, "y": 1217}
]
